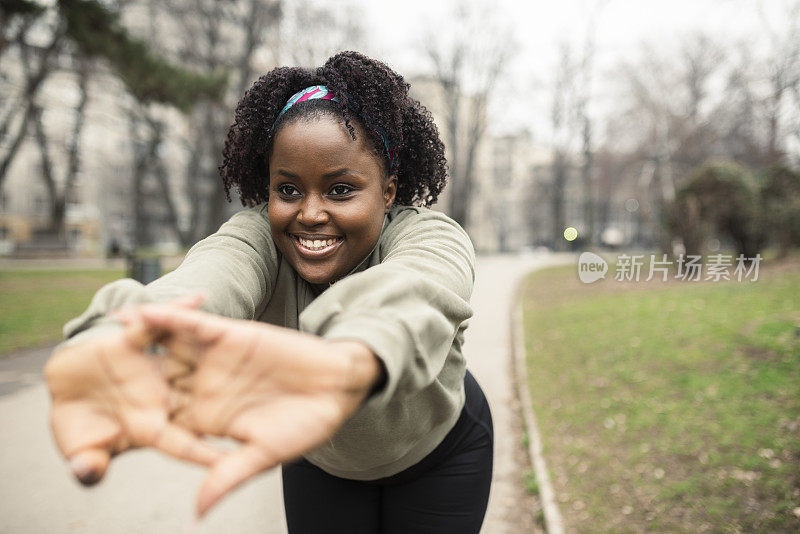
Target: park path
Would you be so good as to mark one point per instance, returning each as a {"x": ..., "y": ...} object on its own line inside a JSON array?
[
  {"x": 487, "y": 348},
  {"x": 147, "y": 492}
]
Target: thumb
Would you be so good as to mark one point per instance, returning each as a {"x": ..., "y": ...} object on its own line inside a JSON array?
[
  {"x": 138, "y": 336},
  {"x": 231, "y": 471},
  {"x": 90, "y": 465}
]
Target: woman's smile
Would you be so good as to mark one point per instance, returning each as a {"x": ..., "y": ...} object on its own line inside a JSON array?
[
  {"x": 328, "y": 194},
  {"x": 317, "y": 246}
]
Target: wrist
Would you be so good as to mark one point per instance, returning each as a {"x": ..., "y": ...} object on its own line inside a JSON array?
[{"x": 365, "y": 371}]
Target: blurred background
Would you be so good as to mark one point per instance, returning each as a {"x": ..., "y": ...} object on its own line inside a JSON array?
[
  {"x": 647, "y": 127},
  {"x": 593, "y": 114}
]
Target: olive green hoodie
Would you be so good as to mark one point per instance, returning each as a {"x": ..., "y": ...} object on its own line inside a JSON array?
[{"x": 408, "y": 301}]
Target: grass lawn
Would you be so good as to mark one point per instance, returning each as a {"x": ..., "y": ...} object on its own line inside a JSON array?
[
  {"x": 669, "y": 407},
  {"x": 34, "y": 305}
]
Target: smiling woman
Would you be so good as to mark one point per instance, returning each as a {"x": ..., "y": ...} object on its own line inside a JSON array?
[
  {"x": 330, "y": 340},
  {"x": 328, "y": 196}
]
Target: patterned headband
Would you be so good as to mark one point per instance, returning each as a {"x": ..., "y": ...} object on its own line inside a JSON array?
[{"x": 320, "y": 92}]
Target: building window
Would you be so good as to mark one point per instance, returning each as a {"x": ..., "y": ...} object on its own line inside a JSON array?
[
  {"x": 3, "y": 201},
  {"x": 4, "y": 233}
]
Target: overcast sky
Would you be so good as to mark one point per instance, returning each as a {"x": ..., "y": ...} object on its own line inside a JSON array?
[{"x": 394, "y": 30}]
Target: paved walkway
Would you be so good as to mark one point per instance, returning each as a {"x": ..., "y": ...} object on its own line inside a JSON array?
[
  {"x": 488, "y": 355},
  {"x": 146, "y": 492}
]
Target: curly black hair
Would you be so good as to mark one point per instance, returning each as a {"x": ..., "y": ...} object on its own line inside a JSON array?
[{"x": 368, "y": 92}]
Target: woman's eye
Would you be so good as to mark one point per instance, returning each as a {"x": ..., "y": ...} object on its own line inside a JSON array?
[
  {"x": 288, "y": 190},
  {"x": 339, "y": 190}
]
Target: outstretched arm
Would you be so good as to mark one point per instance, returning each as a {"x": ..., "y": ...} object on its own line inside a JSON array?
[
  {"x": 97, "y": 410},
  {"x": 235, "y": 268}
]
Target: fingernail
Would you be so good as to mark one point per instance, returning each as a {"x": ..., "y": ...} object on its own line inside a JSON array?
[{"x": 84, "y": 471}]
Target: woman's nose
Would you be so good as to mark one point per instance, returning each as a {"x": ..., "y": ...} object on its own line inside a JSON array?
[{"x": 312, "y": 212}]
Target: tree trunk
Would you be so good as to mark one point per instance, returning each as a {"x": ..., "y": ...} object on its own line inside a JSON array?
[
  {"x": 139, "y": 234},
  {"x": 33, "y": 81},
  {"x": 55, "y": 201},
  {"x": 19, "y": 136},
  {"x": 457, "y": 185},
  {"x": 74, "y": 151},
  {"x": 559, "y": 184},
  {"x": 184, "y": 238},
  {"x": 774, "y": 152},
  {"x": 216, "y": 201},
  {"x": 475, "y": 134},
  {"x": 586, "y": 175}
]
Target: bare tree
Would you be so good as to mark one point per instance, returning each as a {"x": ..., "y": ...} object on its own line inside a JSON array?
[
  {"x": 211, "y": 36},
  {"x": 223, "y": 35},
  {"x": 241, "y": 37},
  {"x": 59, "y": 195},
  {"x": 564, "y": 125},
  {"x": 468, "y": 59},
  {"x": 584, "y": 91},
  {"x": 738, "y": 114},
  {"x": 312, "y": 33},
  {"x": 667, "y": 113},
  {"x": 82, "y": 36},
  {"x": 37, "y": 64},
  {"x": 783, "y": 73}
]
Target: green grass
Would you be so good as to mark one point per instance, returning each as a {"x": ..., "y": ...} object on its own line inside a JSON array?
[
  {"x": 531, "y": 483},
  {"x": 34, "y": 305},
  {"x": 669, "y": 406}
]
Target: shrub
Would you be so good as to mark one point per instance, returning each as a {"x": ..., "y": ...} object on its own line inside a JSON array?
[
  {"x": 720, "y": 199},
  {"x": 780, "y": 205}
]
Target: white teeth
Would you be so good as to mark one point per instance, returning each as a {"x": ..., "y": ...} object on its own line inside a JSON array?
[{"x": 316, "y": 244}]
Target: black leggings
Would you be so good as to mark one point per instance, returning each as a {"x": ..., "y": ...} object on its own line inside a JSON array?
[{"x": 446, "y": 492}]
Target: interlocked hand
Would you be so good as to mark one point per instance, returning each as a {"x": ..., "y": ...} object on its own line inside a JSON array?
[
  {"x": 280, "y": 392},
  {"x": 110, "y": 395}
]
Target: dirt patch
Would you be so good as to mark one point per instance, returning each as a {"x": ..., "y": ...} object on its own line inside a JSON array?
[{"x": 759, "y": 353}]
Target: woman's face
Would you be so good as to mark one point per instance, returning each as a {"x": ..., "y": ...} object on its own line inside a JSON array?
[{"x": 327, "y": 197}]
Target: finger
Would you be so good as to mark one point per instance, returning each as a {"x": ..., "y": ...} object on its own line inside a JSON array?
[
  {"x": 138, "y": 336},
  {"x": 128, "y": 314},
  {"x": 86, "y": 437},
  {"x": 185, "y": 419},
  {"x": 228, "y": 473},
  {"x": 174, "y": 320},
  {"x": 173, "y": 368},
  {"x": 189, "y": 301},
  {"x": 178, "y": 401},
  {"x": 78, "y": 426},
  {"x": 184, "y": 445},
  {"x": 90, "y": 465},
  {"x": 183, "y": 347},
  {"x": 183, "y": 383}
]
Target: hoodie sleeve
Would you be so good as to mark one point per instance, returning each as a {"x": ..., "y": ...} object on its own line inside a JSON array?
[
  {"x": 408, "y": 308},
  {"x": 234, "y": 267}
]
